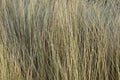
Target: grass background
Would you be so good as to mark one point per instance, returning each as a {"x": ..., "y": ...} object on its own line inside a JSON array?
[{"x": 60, "y": 40}]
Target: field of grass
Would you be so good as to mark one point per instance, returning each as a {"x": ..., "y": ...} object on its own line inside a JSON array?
[{"x": 59, "y": 39}]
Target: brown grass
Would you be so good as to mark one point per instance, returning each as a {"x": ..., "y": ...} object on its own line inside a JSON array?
[{"x": 60, "y": 40}]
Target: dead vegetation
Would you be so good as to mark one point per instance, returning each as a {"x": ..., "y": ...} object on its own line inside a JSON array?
[{"x": 60, "y": 40}]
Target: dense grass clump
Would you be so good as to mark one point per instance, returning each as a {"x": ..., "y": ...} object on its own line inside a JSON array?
[{"x": 59, "y": 40}]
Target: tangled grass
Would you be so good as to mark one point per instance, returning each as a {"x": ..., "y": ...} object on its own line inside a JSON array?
[{"x": 59, "y": 40}]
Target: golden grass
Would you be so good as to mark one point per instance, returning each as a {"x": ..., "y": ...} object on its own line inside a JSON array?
[{"x": 59, "y": 40}]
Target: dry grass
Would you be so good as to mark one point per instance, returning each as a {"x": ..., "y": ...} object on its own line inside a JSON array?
[{"x": 60, "y": 40}]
